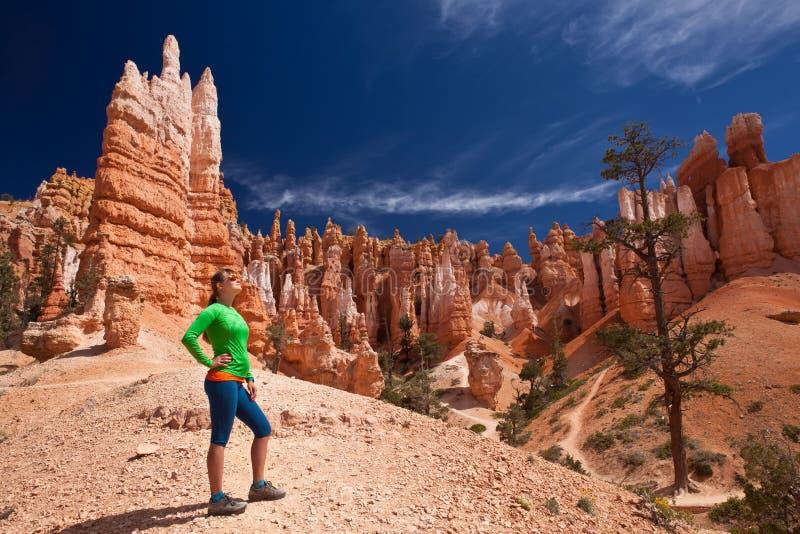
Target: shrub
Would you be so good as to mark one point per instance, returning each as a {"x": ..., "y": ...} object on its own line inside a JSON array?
[
  {"x": 552, "y": 506},
  {"x": 552, "y": 454},
  {"x": 634, "y": 459},
  {"x": 600, "y": 441},
  {"x": 628, "y": 421},
  {"x": 620, "y": 401},
  {"x": 730, "y": 510},
  {"x": 792, "y": 432},
  {"x": 646, "y": 385},
  {"x": 488, "y": 329},
  {"x": 755, "y": 406},
  {"x": 524, "y": 502},
  {"x": 658, "y": 510},
  {"x": 795, "y": 388},
  {"x": 575, "y": 465},
  {"x": 664, "y": 450},
  {"x": 770, "y": 486},
  {"x": 586, "y": 504},
  {"x": 478, "y": 428},
  {"x": 601, "y": 412},
  {"x": 708, "y": 457}
]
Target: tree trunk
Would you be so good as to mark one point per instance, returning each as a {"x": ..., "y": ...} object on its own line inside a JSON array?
[{"x": 679, "y": 463}]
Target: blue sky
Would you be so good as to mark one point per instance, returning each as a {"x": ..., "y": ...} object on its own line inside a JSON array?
[{"x": 487, "y": 116}]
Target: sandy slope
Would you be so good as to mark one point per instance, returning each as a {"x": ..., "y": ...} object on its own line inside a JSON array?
[
  {"x": 760, "y": 363},
  {"x": 351, "y": 464}
]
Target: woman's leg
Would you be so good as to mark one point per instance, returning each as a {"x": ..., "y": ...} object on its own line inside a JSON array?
[
  {"x": 222, "y": 401},
  {"x": 250, "y": 413},
  {"x": 258, "y": 457},
  {"x": 216, "y": 466}
]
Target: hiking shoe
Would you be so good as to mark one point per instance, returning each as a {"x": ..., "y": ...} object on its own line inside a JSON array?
[
  {"x": 267, "y": 492},
  {"x": 227, "y": 505}
]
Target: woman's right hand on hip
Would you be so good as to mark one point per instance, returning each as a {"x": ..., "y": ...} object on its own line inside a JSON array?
[{"x": 221, "y": 360}]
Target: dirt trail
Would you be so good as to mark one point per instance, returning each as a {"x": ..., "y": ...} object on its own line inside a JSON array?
[
  {"x": 571, "y": 446},
  {"x": 575, "y": 420}
]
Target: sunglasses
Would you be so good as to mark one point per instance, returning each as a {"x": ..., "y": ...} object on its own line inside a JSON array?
[{"x": 233, "y": 277}]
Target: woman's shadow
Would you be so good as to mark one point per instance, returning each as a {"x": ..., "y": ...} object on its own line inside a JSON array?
[{"x": 141, "y": 519}]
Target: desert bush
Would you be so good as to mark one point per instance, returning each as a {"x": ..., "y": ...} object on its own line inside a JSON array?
[
  {"x": 601, "y": 412},
  {"x": 600, "y": 441},
  {"x": 646, "y": 385},
  {"x": 663, "y": 451},
  {"x": 552, "y": 506},
  {"x": 634, "y": 459},
  {"x": 574, "y": 465},
  {"x": 524, "y": 502},
  {"x": 792, "y": 432},
  {"x": 478, "y": 428},
  {"x": 755, "y": 406},
  {"x": 620, "y": 401},
  {"x": 771, "y": 488},
  {"x": 659, "y": 511},
  {"x": 488, "y": 329},
  {"x": 628, "y": 421},
  {"x": 586, "y": 504},
  {"x": 795, "y": 388},
  {"x": 552, "y": 454},
  {"x": 731, "y": 510}
]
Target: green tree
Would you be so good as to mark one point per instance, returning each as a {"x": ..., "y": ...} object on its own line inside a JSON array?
[
  {"x": 675, "y": 350},
  {"x": 84, "y": 287},
  {"x": 511, "y": 425},
  {"x": 558, "y": 376},
  {"x": 386, "y": 359},
  {"x": 771, "y": 486},
  {"x": 488, "y": 329},
  {"x": 9, "y": 295},
  {"x": 52, "y": 252},
  {"x": 276, "y": 334},
  {"x": 406, "y": 339},
  {"x": 416, "y": 392},
  {"x": 345, "y": 343},
  {"x": 535, "y": 400}
]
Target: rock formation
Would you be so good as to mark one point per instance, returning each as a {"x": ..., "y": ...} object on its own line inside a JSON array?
[
  {"x": 744, "y": 241},
  {"x": 485, "y": 373},
  {"x": 776, "y": 189},
  {"x": 696, "y": 254},
  {"x": 123, "y": 311},
  {"x": 745, "y": 144},
  {"x": 50, "y": 338},
  {"x": 701, "y": 168}
]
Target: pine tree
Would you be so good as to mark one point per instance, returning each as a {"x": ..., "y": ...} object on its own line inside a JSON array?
[
  {"x": 512, "y": 425},
  {"x": 676, "y": 349},
  {"x": 558, "y": 376},
  {"x": 9, "y": 295}
]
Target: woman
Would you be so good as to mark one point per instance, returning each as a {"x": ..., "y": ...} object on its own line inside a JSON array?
[{"x": 228, "y": 373}]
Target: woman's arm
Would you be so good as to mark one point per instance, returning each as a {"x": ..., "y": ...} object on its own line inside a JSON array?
[{"x": 199, "y": 326}]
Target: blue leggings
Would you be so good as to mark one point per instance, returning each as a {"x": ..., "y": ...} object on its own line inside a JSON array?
[{"x": 227, "y": 400}]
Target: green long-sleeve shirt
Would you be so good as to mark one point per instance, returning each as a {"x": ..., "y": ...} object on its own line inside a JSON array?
[{"x": 227, "y": 331}]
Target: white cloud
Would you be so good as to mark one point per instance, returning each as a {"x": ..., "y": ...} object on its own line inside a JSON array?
[
  {"x": 693, "y": 43},
  {"x": 334, "y": 195},
  {"x": 465, "y": 17}
]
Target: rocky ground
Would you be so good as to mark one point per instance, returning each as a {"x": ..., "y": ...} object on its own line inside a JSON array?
[{"x": 72, "y": 427}]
